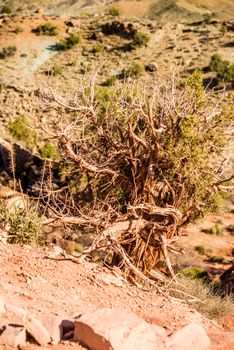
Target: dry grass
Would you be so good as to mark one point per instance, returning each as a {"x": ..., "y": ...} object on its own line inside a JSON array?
[{"x": 202, "y": 297}]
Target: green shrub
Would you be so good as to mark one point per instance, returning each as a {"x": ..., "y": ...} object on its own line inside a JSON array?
[
  {"x": 6, "y": 9},
  {"x": 215, "y": 259},
  {"x": 69, "y": 42},
  {"x": 133, "y": 71},
  {"x": 208, "y": 17},
  {"x": 25, "y": 226},
  {"x": 21, "y": 130},
  {"x": 46, "y": 29},
  {"x": 139, "y": 40},
  {"x": 114, "y": 11},
  {"x": 110, "y": 81},
  {"x": 200, "y": 249},
  {"x": 96, "y": 49},
  {"x": 18, "y": 30},
  {"x": 8, "y": 51},
  {"x": 48, "y": 150},
  {"x": 223, "y": 68},
  {"x": 196, "y": 273}
]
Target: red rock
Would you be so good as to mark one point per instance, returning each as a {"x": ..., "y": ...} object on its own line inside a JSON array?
[
  {"x": 117, "y": 329},
  {"x": 190, "y": 337},
  {"x": 13, "y": 336},
  {"x": 2, "y": 304},
  {"x": 227, "y": 322}
]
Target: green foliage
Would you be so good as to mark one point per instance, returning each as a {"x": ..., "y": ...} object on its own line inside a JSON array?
[
  {"x": 223, "y": 68},
  {"x": 25, "y": 227},
  {"x": 133, "y": 71},
  {"x": 79, "y": 248},
  {"x": 21, "y": 130},
  {"x": 46, "y": 29},
  {"x": 48, "y": 150},
  {"x": 6, "y": 9},
  {"x": 139, "y": 40},
  {"x": 114, "y": 11},
  {"x": 195, "y": 273},
  {"x": 8, "y": 51},
  {"x": 69, "y": 42}
]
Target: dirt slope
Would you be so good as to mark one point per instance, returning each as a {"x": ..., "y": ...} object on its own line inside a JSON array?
[{"x": 43, "y": 286}]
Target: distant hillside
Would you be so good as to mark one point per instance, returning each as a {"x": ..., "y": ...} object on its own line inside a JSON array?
[{"x": 166, "y": 10}]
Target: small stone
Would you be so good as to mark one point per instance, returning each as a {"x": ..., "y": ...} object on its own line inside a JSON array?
[
  {"x": 152, "y": 67},
  {"x": 13, "y": 336},
  {"x": 190, "y": 337},
  {"x": 117, "y": 329}
]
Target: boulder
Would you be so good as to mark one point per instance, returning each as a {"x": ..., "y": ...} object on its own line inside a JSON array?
[
  {"x": 117, "y": 329},
  {"x": 190, "y": 337},
  {"x": 13, "y": 336}
]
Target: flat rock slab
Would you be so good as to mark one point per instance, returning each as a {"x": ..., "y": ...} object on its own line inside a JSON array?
[{"x": 117, "y": 329}]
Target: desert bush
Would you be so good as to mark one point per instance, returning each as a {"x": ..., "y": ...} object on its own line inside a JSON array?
[
  {"x": 133, "y": 71},
  {"x": 202, "y": 297},
  {"x": 25, "y": 226},
  {"x": 144, "y": 159},
  {"x": 216, "y": 259},
  {"x": 110, "y": 81},
  {"x": 69, "y": 42},
  {"x": 96, "y": 49},
  {"x": 6, "y": 9},
  {"x": 139, "y": 40},
  {"x": 46, "y": 29},
  {"x": 8, "y": 51},
  {"x": 208, "y": 17},
  {"x": 57, "y": 69},
  {"x": 200, "y": 249},
  {"x": 195, "y": 273},
  {"x": 48, "y": 150},
  {"x": 114, "y": 11},
  {"x": 21, "y": 130},
  {"x": 223, "y": 68},
  {"x": 214, "y": 230},
  {"x": 18, "y": 30}
]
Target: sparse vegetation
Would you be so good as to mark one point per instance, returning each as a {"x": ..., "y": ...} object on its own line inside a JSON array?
[
  {"x": 139, "y": 40},
  {"x": 208, "y": 17},
  {"x": 55, "y": 71},
  {"x": 202, "y": 297},
  {"x": 8, "y": 51},
  {"x": 216, "y": 259},
  {"x": 223, "y": 68},
  {"x": 214, "y": 230},
  {"x": 110, "y": 81},
  {"x": 133, "y": 71},
  {"x": 96, "y": 49},
  {"x": 46, "y": 29},
  {"x": 69, "y": 42},
  {"x": 21, "y": 130}
]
